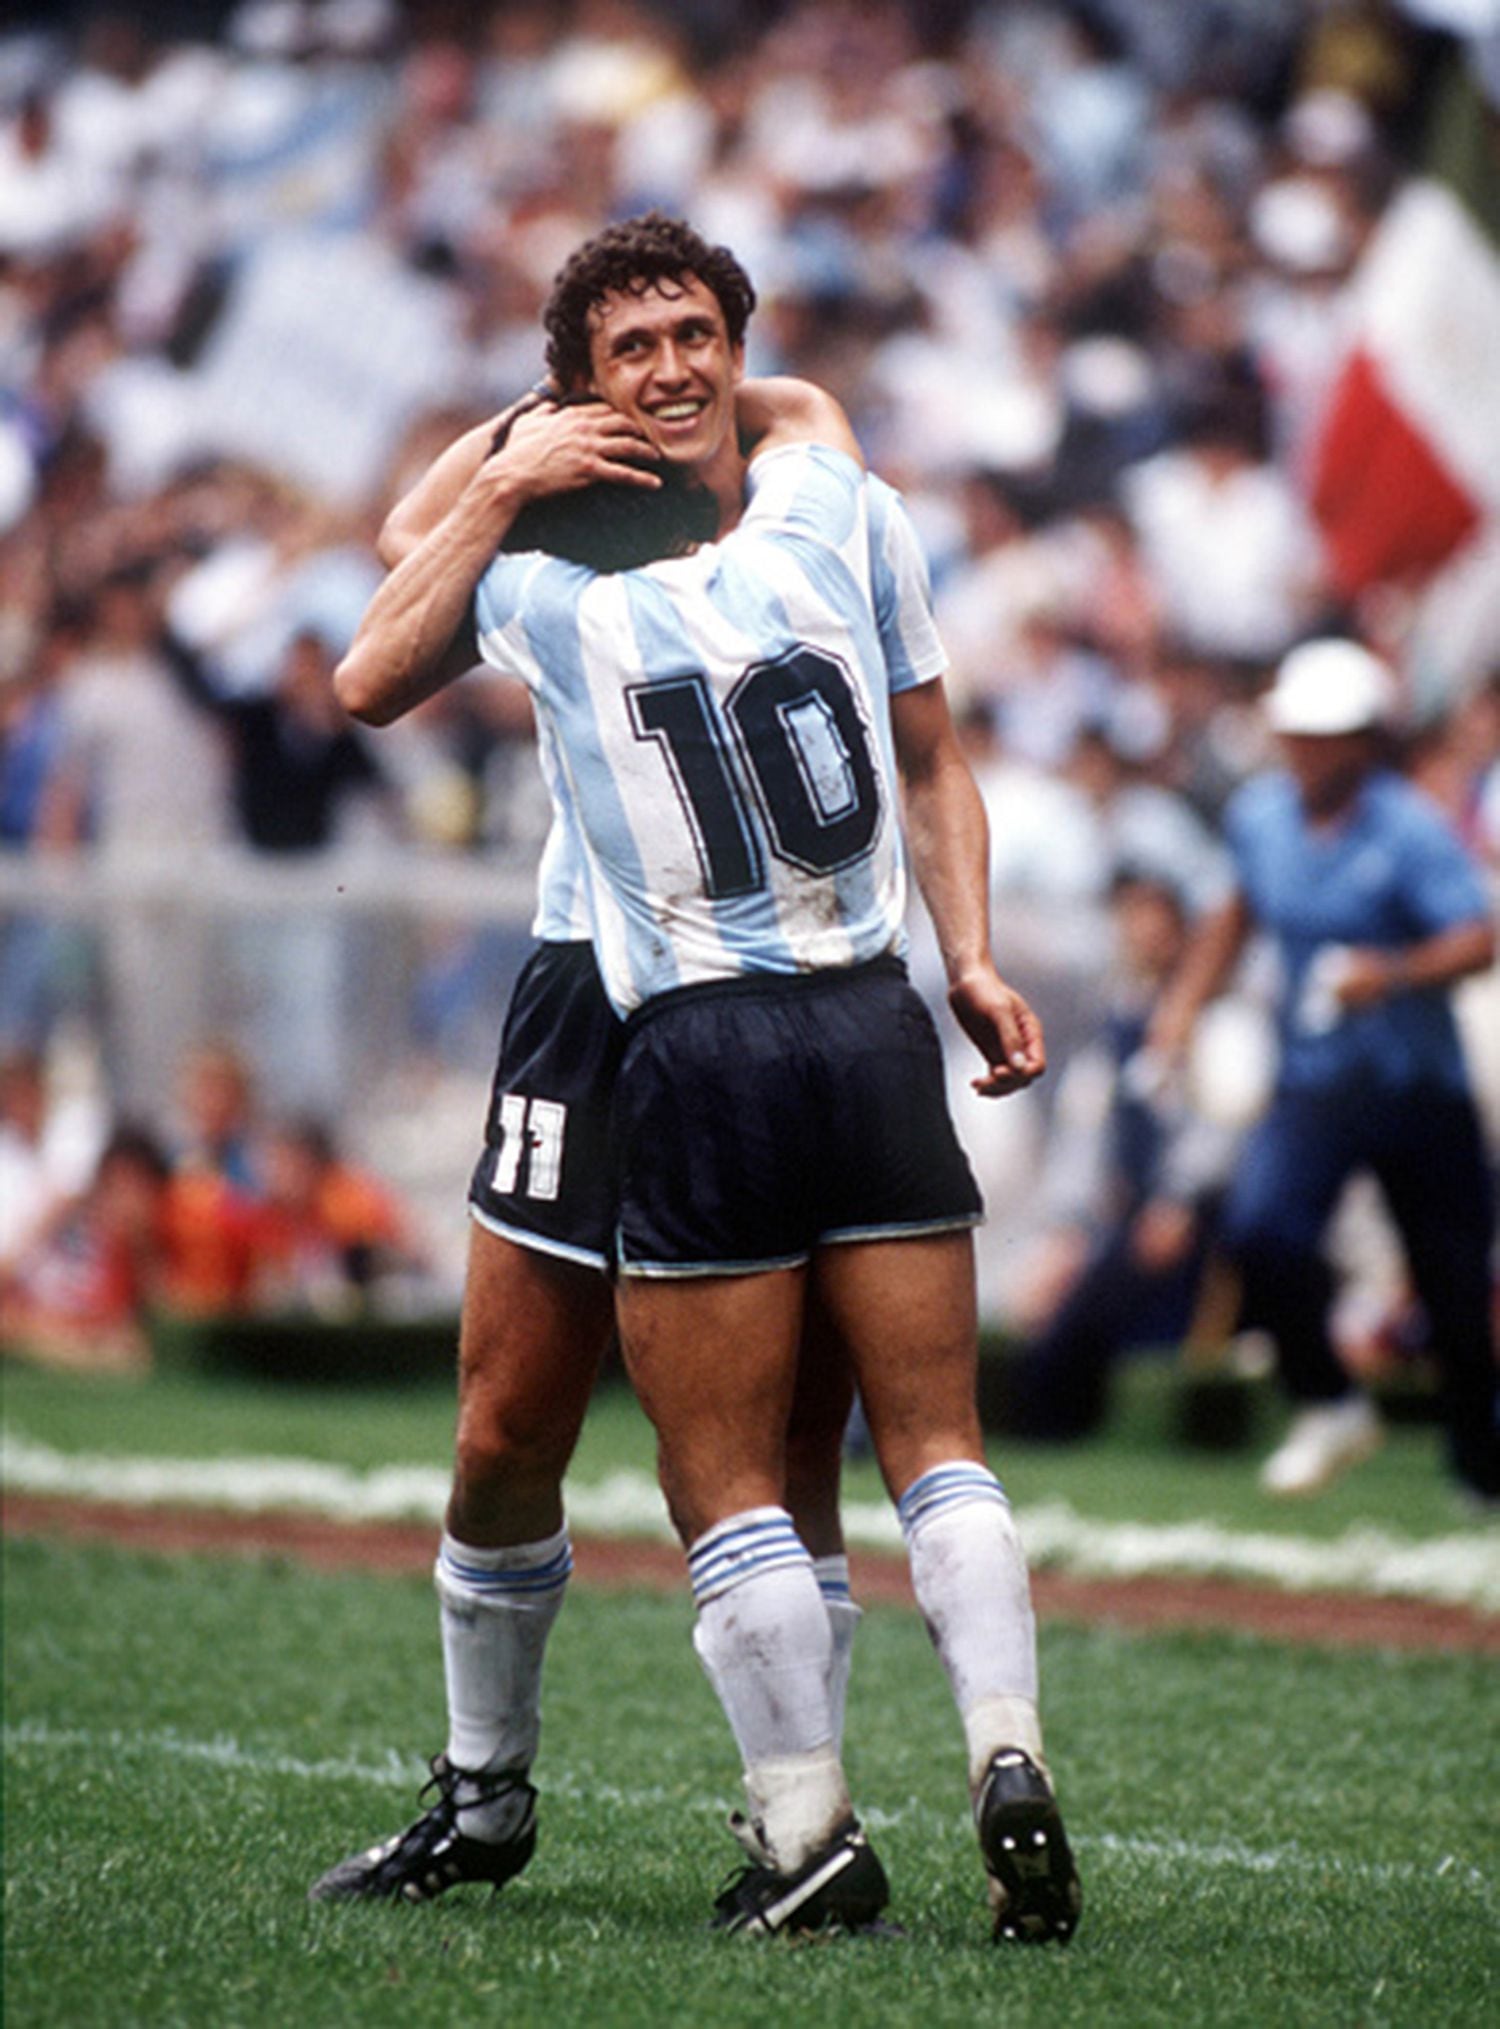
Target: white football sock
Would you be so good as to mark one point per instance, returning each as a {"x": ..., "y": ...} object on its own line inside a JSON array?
[
  {"x": 844, "y": 1616},
  {"x": 764, "y": 1639},
  {"x": 498, "y": 1607},
  {"x": 969, "y": 1574}
]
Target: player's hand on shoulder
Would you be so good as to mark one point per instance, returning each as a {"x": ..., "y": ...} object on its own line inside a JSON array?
[
  {"x": 1004, "y": 1028},
  {"x": 557, "y": 447}
]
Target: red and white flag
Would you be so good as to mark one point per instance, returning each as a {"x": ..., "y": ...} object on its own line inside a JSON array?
[{"x": 1406, "y": 461}]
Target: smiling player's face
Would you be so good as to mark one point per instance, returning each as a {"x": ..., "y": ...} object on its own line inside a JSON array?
[{"x": 663, "y": 358}]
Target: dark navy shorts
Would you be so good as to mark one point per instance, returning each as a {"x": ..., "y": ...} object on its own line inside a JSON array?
[
  {"x": 761, "y": 1117},
  {"x": 544, "y": 1177}
]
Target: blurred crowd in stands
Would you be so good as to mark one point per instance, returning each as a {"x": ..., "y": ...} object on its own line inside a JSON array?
[
  {"x": 104, "y": 1224},
  {"x": 1176, "y": 324}
]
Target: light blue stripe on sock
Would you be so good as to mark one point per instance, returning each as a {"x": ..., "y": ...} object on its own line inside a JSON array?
[
  {"x": 832, "y": 1574},
  {"x": 944, "y": 1487},
  {"x": 521, "y": 1579},
  {"x": 730, "y": 1555}
]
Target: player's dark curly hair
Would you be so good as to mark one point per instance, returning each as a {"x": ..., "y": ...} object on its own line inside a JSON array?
[
  {"x": 611, "y": 525},
  {"x": 631, "y": 257}
]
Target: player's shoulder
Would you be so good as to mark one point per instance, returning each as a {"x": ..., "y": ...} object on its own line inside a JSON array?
[
  {"x": 526, "y": 578},
  {"x": 809, "y": 488},
  {"x": 1411, "y": 814},
  {"x": 812, "y": 454},
  {"x": 883, "y": 495},
  {"x": 784, "y": 410},
  {"x": 893, "y": 532},
  {"x": 1401, "y": 801}
]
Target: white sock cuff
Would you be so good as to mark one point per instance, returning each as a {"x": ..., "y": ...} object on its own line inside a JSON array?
[
  {"x": 832, "y": 1574},
  {"x": 742, "y": 1547},
  {"x": 516, "y": 1574},
  {"x": 944, "y": 1487}
]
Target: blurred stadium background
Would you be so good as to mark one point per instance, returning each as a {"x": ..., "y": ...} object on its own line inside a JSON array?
[
  {"x": 1178, "y": 325},
  {"x": 1178, "y": 322}
]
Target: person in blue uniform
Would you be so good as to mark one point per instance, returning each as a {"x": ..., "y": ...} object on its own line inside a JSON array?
[{"x": 1376, "y": 911}]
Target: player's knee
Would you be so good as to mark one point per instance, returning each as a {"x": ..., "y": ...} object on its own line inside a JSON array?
[{"x": 500, "y": 1440}]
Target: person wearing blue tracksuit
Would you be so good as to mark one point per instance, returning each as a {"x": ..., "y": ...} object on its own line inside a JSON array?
[{"x": 1375, "y": 911}]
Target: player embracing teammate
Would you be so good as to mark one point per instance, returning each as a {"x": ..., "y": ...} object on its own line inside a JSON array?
[{"x": 729, "y": 729}]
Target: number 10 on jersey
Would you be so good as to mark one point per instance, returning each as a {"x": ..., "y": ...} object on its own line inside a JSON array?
[{"x": 793, "y": 730}]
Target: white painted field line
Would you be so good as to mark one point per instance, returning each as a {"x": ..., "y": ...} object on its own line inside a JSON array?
[
  {"x": 1462, "y": 1569},
  {"x": 1457, "y": 1570},
  {"x": 399, "y": 1773}
]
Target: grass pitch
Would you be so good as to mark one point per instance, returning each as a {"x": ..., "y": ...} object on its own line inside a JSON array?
[
  {"x": 1266, "y": 1834},
  {"x": 1134, "y": 1471}
]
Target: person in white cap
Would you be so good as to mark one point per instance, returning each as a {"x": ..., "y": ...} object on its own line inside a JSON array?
[{"x": 1376, "y": 911}]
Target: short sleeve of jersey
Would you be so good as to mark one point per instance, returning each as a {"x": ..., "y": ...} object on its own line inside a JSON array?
[
  {"x": 504, "y": 638},
  {"x": 902, "y": 592},
  {"x": 1241, "y": 815},
  {"x": 1443, "y": 885},
  {"x": 807, "y": 490}
]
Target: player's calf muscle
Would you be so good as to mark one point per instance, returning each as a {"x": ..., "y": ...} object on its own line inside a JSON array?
[{"x": 532, "y": 1336}]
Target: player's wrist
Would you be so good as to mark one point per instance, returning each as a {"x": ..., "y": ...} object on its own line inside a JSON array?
[
  {"x": 968, "y": 976},
  {"x": 489, "y": 505}
]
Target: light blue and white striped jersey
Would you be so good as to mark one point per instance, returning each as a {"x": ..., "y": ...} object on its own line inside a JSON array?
[
  {"x": 913, "y": 654},
  {"x": 715, "y": 731},
  {"x": 562, "y": 893}
]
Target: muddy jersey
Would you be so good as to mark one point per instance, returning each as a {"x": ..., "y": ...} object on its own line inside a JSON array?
[{"x": 715, "y": 729}]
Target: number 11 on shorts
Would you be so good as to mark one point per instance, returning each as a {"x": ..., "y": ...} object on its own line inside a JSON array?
[{"x": 532, "y": 1128}]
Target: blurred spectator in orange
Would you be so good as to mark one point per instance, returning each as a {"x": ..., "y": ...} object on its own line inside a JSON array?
[
  {"x": 82, "y": 1288},
  {"x": 211, "y": 1213},
  {"x": 329, "y": 1229},
  {"x": 216, "y": 1098},
  {"x": 212, "y": 1237}
]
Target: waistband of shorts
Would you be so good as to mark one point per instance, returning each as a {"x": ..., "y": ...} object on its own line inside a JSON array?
[{"x": 776, "y": 985}]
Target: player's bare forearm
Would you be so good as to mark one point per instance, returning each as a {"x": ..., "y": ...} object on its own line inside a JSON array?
[
  {"x": 416, "y": 636},
  {"x": 947, "y": 831},
  {"x": 419, "y": 511},
  {"x": 781, "y": 410},
  {"x": 948, "y": 840},
  {"x": 1436, "y": 963}
]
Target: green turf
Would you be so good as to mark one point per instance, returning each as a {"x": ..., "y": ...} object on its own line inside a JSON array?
[
  {"x": 1137, "y": 1470},
  {"x": 1267, "y": 1835},
  {"x": 183, "y": 1415}
]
